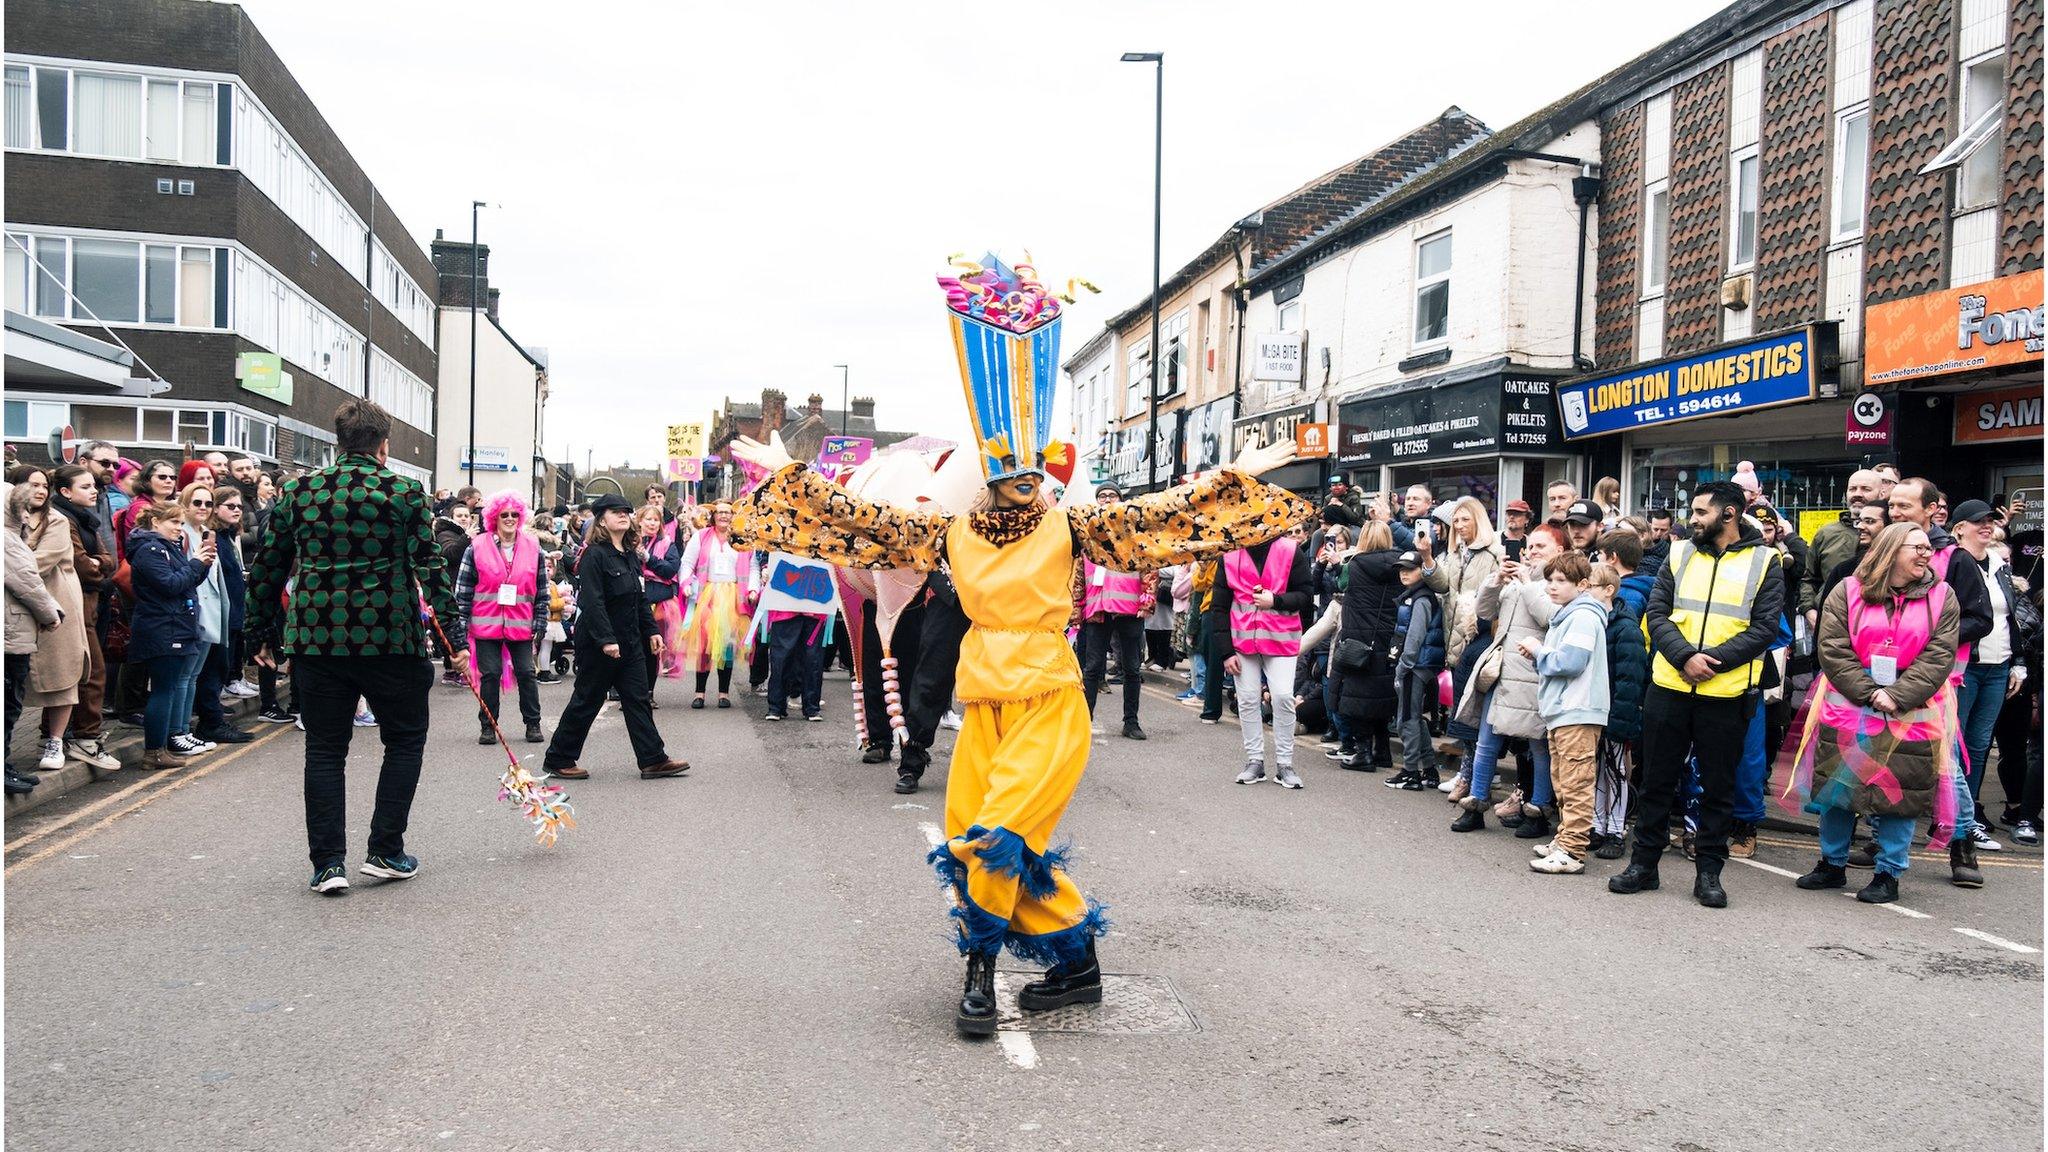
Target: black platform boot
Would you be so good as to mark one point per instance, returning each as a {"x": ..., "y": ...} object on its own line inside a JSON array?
[
  {"x": 977, "y": 1015},
  {"x": 1064, "y": 984}
]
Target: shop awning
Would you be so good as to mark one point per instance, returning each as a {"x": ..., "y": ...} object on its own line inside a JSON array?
[{"x": 44, "y": 355}]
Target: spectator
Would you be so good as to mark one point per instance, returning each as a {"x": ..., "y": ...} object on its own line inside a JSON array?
[
  {"x": 77, "y": 499},
  {"x": 1628, "y": 667},
  {"x": 221, "y": 613},
  {"x": 1368, "y": 648},
  {"x": 1573, "y": 698},
  {"x": 31, "y": 614},
  {"x": 1416, "y": 505},
  {"x": 1560, "y": 496},
  {"x": 1712, "y": 618},
  {"x": 1657, "y": 544},
  {"x": 1887, "y": 644},
  {"x": 166, "y": 631},
  {"x": 1993, "y": 675},
  {"x": 196, "y": 502},
  {"x": 1501, "y": 698},
  {"x": 1835, "y": 542},
  {"x": 1267, "y": 586},
  {"x": 1607, "y": 494},
  {"x": 1515, "y": 529},
  {"x": 158, "y": 482},
  {"x": 1868, "y": 522},
  {"x": 1418, "y": 623},
  {"x": 1583, "y": 521},
  {"x": 63, "y": 655}
]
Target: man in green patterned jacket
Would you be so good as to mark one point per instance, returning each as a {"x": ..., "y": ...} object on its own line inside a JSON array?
[{"x": 356, "y": 542}]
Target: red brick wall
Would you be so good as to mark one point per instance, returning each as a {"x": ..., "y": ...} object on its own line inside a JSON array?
[
  {"x": 1797, "y": 134},
  {"x": 1912, "y": 116},
  {"x": 2019, "y": 247},
  {"x": 1699, "y": 206},
  {"x": 1620, "y": 243}
]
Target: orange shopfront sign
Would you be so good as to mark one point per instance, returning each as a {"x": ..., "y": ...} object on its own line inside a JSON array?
[
  {"x": 1986, "y": 325},
  {"x": 1996, "y": 417}
]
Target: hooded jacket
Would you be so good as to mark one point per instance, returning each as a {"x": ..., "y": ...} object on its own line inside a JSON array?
[
  {"x": 1521, "y": 608},
  {"x": 1372, "y": 585},
  {"x": 1756, "y": 639},
  {"x": 1628, "y": 664},
  {"x": 1573, "y": 663}
]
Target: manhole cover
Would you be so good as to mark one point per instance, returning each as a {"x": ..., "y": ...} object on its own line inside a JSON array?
[{"x": 1132, "y": 1005}]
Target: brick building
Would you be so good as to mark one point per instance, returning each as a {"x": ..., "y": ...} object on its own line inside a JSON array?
[
  {"x": 803, "y": 430},
  {"x": 511, "y": 383},
  {"x": 1800, "y": 168},
  {"x": 172, "y": 189}
]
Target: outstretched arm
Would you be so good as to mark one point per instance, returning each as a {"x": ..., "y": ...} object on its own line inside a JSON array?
[
  {"x": 797, "y": 511},
  {"x": 1221, "y": 512}
]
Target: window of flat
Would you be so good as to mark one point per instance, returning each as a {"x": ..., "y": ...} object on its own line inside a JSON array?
[
  {"x": 1742, "y": 211},
  {"x": 1137, "y": 378},
  {"x": 1433, "y": 289},
  {"x": 1974, "y": 153},
  {"x": 1852, "y": 172},
  {"x": 1656, "y": 236},
  {"x": 1173, "y": 370}
]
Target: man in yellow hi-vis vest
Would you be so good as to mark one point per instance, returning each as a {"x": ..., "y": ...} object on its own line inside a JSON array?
[{"x": 1712, "y": 616}]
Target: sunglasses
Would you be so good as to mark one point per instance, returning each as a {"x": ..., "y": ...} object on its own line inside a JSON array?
[{"x": 202, "y": 503}]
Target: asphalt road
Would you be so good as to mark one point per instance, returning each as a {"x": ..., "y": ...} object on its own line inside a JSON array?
[{"x": 755, "y": 956}]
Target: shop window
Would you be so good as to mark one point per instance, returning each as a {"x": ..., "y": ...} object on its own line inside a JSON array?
[
  {"x": 195, "y": 427},
  {"x": 1796, "y": 475},
  {"x": 35, "y": 419},
  {"x": 99, "y": 422},
  {"x": 157, "y": 426}
]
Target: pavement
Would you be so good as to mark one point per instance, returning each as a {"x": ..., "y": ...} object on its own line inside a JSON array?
[{"x": 756, "y": 956}]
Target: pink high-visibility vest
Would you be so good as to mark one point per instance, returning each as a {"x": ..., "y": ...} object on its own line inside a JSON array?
[
  {"x": 1262, "y": 631},
  {"x": 491, "y": 618},
  {"x": 1940, "y": 565},
  {"x": 1111, "y": 593}
]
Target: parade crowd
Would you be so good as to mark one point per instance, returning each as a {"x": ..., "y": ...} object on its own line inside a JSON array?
[{"x": 1603, "y": 684}]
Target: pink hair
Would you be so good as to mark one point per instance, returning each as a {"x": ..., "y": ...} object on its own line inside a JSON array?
[{"x": 501, "y": 503}]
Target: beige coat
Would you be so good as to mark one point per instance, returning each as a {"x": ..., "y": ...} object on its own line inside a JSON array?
[
  {"x": 1522, "y": 608},
  {"x": 1464, "y": 576},
  {"x": 62, "y": 658}
]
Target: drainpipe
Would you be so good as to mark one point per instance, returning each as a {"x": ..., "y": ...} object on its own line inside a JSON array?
[{"x": 1585, "y": 190}]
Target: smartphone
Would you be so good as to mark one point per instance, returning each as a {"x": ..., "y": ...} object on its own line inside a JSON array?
[{"x": 1514, "y": 548}]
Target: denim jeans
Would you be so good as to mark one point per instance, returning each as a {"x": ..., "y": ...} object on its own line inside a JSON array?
[
  {"x": 1199, "y": 677},
  {"x": 1342, "y": 727},
  {"x": 1486, "y": 756},
  {"x": 1894, "y": 838},
  {"x": 1753, "y": 774},
  {"x": 1977, "y": 708},
  {"x": 169, "y": 711}
]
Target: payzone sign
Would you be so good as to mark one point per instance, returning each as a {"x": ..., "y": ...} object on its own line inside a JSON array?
[{"x": 1763, "y": 373}]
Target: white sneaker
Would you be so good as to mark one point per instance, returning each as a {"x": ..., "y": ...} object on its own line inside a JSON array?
[
  {"x": 245, "y": 690},
  {"x": 186, "y": 744},
  {"x": 1543, "y": 849},
  {"x": 1558, "y": 863},
  {"x": 2024, "y": 832},
  {"x": 366, "y": 719},
  {"x": 1449, "y": 783},
  {"x": 53, "y": 756},
  {"x": 1983, "y": 840},
  {"x": 90, "y": 752},
  {"x": 950, "y": 721}
]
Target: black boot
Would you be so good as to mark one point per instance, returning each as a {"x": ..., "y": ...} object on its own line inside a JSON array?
[
  {"x": 1962, "y": 864},
  {"x": 1637, "y": 877},
  {"x": 1079, "y": 983},
  {"x": 872, "y": 754},
  {"x": 1882, "y": 889},
  {"x": 486, "y": 736},
  {"x": 1824, "y": 875},
  {"x": 1706, "y": 888},
  {"x": 1534, "y": 827},
  {"x": 977, "y": 1014},
  {"x": 1470, "y": 820},
  {"x": 534, "y": 735}
]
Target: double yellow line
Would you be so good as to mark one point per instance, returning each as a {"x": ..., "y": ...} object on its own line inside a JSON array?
[{"x": 142, "y": 791}]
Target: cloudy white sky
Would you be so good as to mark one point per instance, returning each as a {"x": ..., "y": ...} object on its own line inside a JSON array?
[{"x": 700, "y": 200}]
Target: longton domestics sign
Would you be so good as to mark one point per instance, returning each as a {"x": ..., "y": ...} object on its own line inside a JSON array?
[{"x": 1760, "y": 373}]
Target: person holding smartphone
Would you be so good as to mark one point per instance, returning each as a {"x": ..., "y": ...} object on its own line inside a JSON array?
[{"x": 202, "y": 544}]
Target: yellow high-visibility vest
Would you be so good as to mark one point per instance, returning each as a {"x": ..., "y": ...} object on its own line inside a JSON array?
[{"x": 1710, "y": 605}]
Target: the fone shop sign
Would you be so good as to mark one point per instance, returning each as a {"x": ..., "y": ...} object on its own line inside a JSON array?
[
  {"x": 1277, "y": 357},
  {"x": 2001, "y": 416},
  {"x": 1988, "y": 325},
  {"x": 1745, "y": 377}
]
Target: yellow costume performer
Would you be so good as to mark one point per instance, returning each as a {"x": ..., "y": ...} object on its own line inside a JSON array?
[{"x": 1025, "y": 737}]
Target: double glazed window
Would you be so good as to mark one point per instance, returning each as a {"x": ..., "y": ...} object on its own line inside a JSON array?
[
  {"x": 1433, "y": 289},
  {"x": 95, "y": 280},
  {"x": 125, "y": 116}
]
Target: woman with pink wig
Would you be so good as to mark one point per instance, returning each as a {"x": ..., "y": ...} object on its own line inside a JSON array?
[{"x": 498, "y": 590}]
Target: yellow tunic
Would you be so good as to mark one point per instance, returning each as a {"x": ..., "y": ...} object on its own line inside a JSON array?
[{"x": 1024, "y": 738}]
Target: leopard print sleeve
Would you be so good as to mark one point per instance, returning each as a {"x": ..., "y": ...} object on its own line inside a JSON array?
[
  {"x": 1221, "y": 512},
  {"x": 799, "y": 512}
]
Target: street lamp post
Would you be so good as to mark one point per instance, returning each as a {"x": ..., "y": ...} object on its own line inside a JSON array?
[
  {"x": 1158, "y": 61},
  {"x": 475, "y": 303},
  {"x": 844, "y": 374}
]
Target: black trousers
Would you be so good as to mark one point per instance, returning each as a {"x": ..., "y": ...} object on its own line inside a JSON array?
[
  {"x": 1713, "y": 730},
  {"x": 796, "y": 663},
  {"x": 597, "y": 675},
  {"x": 1128, "y": 634},
  {"x": 907, "y": 646},
  {"x": 1213, "y": 676},
  {"x": 490, "y": 670},
  {"x": 2019, "y": 751},
  {"x": 17, "y": 684},
  {"x": 396, "y": 689},
  {"x": 930, "y": 692}
]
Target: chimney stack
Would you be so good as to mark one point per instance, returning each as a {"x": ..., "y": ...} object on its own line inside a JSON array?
[
  {"x": 491, "y": 305},
  {"x": 452, "y": 268},
  {"x": 774, "y": 405},
  {"x": 817, "y": 405}
]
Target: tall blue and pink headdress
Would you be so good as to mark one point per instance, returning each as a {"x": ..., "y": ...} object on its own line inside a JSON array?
[{"x": 1006, "y": 333}]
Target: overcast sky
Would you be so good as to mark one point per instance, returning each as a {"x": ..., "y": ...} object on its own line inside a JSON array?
[{"x": 702, "y": 200}]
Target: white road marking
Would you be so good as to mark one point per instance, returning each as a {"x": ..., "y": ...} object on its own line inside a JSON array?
[
  {"x": 1901, "y": 909},
  {"x": 1771, "y": 868},
  {"x": 1018, "y": 1048},
  {"x": 2000, "y": 941}
]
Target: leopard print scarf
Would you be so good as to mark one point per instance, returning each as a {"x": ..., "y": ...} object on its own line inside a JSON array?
[{"x": 1004, "y": 526}]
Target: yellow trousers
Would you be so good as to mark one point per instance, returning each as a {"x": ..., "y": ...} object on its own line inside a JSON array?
[{"x": 1015, "y": 767}]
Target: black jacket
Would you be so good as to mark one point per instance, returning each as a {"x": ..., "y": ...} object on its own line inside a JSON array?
[
  {"x": 165, "y": 621},
  {"x": 1372, "y": 588},
  {"x": 610, "y": 608},
  {"x": 1752, "y": 642},
  {"x": 1966, "y": 580}
]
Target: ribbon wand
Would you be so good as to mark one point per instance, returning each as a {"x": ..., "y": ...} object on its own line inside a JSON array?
[{"x": 543, "y": 805}]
